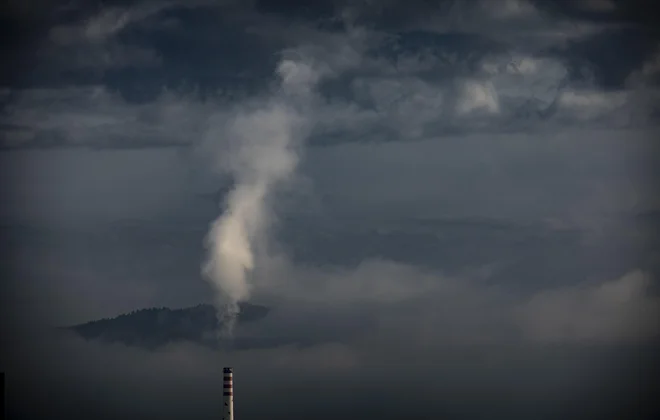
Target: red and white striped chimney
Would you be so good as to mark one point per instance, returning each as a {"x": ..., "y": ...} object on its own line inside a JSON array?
[{"x": 228, "y": 394}]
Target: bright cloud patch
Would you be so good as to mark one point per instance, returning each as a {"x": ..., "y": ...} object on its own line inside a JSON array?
[
  {"x": 477, "y": 96},
  {"x": 621, "y": 309}
]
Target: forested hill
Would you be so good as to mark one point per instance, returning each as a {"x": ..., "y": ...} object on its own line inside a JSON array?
[{"x": 156, "y": 327}]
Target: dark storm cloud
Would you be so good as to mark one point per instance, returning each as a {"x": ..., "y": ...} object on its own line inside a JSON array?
[
  {"x": 608, "y": 59},
  {"x": 115, "y": 41},
  {"x": 448, "y": 57},
  {"x": 634, "y": 12}
]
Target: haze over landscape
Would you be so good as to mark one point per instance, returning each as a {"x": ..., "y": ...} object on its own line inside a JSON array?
[{"x": 369, "y": 209}]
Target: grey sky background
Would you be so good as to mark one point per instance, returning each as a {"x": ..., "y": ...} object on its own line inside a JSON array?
[{"x": 471, "y": 230}]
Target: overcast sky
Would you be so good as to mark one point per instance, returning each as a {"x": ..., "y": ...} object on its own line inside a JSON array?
[{"x": 462, "y": 207}]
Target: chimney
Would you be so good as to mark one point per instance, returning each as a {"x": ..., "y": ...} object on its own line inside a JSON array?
[{"x": 228, "y": 394}]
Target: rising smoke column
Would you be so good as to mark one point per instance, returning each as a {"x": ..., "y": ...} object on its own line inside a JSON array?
[{"x": 261, "y": 157}]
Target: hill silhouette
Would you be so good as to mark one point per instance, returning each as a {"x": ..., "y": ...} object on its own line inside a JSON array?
[{"x": 156, "y": 327}]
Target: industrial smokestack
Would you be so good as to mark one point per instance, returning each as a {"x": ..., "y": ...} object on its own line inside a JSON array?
[{"x": 228, "y": 394}]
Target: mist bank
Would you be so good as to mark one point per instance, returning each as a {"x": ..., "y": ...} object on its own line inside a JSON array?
[
  {"x": 368, "y": 375},
  {"x": 430, "y": 346}
]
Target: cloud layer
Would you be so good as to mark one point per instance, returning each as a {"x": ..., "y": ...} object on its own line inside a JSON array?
[{"x": 465, "y": 72}]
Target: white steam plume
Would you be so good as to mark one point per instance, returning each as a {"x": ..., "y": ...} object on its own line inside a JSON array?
[{"x": 263, "y": 155}]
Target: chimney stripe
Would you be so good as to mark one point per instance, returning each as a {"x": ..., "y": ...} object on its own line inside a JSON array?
[{"x": 227, "y": 394}]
